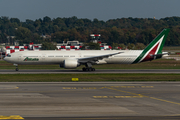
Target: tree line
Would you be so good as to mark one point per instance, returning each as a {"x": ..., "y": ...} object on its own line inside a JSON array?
[{"x": 114, "y": 31}]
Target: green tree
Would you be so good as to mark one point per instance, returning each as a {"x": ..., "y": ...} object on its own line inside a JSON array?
[
  {"x": 15, "y": 20},
  {"x": 122, "y": 46},
  {"x": 74, "y": 35},
  {"x": 139, "y": 46},
  {"x": 36, "y": 38},
  {"x": 91, "y": 46},
  {"x": 60, "y": 36},
  {"x": 47, "y": 19},
  {"x": 23, "y": 34},
  {"x": 131, "y": 46},
  {"x": 124, "y": 30},
  {"x": 115, "y": 46},
  {"x": 48, "y": 46},
  {"x": 79, "y": 23}
]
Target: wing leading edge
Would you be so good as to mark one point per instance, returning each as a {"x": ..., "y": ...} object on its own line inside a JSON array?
[{"x": 95, "y": 58}]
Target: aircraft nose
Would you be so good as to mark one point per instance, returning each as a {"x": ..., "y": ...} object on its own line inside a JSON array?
[{"x": 6, "y": 59}]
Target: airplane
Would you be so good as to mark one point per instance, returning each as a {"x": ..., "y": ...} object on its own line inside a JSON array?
[{"x": 73, "y": 59}]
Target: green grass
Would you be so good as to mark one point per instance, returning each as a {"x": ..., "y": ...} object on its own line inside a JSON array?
[
  {"x": 155, "y": 64},
  {"x": 87, "y": 77}
]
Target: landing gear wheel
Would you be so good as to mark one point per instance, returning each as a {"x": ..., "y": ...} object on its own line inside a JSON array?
[
  {"x": 83, "y": 69},
  {"x": 88, "y": 69}
]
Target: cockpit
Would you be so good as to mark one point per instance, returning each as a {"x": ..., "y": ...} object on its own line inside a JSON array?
[{"x": 8, "y": 55}]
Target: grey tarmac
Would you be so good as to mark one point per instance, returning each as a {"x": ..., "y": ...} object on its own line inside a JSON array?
[
  {"x": 90, "y": 100},
  {"x": 77, "y": 71}
]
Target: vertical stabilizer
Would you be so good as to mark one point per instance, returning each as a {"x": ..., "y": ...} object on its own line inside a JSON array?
[{"x": 154, "y": 48}]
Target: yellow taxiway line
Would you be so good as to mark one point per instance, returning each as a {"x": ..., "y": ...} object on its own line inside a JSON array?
[
  {"x": 140, "y": 95},
  {"x": 10, "y": 117}
]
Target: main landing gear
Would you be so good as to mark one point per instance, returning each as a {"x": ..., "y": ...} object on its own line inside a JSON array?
[
  {"x": 16, "y": 67},
  {"x": 88, "y": 67}
]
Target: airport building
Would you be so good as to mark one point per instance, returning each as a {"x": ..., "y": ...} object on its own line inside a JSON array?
[{"x": 69, "y": 45}]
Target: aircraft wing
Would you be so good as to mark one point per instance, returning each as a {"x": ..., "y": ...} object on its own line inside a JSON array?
[{"x": 96, "y": 58}]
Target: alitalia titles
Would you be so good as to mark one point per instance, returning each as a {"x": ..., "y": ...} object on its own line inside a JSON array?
[{"x": 31, "y": 59}]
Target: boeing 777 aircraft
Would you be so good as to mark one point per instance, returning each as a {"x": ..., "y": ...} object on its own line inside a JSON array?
[{"x": 73, "y": 59}]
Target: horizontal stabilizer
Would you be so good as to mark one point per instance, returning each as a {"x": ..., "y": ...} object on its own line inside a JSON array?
[{"x": 160, "y": 55}]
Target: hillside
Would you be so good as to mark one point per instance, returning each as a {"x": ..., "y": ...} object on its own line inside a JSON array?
[{"x": 124, "y": 30}]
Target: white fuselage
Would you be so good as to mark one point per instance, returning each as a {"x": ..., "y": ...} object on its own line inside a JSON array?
[{"x": 57, "y": 57}]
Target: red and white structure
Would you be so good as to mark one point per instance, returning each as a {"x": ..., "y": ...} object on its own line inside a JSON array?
[
  {"x": 70, "y": 45},
  {"x": 96, "y": 38},
  {"x": 11, "y": 49}
]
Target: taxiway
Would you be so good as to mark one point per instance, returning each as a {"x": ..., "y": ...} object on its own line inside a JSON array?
[
  {"x": 90, "y": 100},
  {"x": 77, "y": 71}
]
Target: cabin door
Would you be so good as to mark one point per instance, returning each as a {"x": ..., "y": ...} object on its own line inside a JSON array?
[
  {"x": 19, "y": 57},
  {"x": 43, "y": 57}
]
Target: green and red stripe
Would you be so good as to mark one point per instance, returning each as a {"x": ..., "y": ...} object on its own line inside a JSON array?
[{"x": 153, "y": 48}]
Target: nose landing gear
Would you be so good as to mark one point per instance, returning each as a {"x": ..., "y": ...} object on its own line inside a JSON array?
[{"x": 16, "y": 67}]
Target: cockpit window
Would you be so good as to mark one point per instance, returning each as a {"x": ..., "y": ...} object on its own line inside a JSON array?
[{"x": 8, "y": 55}]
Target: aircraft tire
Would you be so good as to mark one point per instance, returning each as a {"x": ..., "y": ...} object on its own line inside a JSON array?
[
  {"x": 87, "y": 69},
  {"x": 83, "y": 69}
]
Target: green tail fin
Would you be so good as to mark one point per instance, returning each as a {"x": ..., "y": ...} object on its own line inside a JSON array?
[{"x": 155, "y": 47}]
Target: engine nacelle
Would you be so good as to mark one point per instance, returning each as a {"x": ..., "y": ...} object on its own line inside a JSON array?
[{"x": 71, "y": 63}]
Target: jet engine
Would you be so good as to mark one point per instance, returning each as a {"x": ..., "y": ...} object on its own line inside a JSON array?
[{"x": 70, "y": 63}]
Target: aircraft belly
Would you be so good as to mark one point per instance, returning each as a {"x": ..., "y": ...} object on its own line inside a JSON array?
[
  {"x": 53, "y": 60},
  {"x": 122, "y": 60}
]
